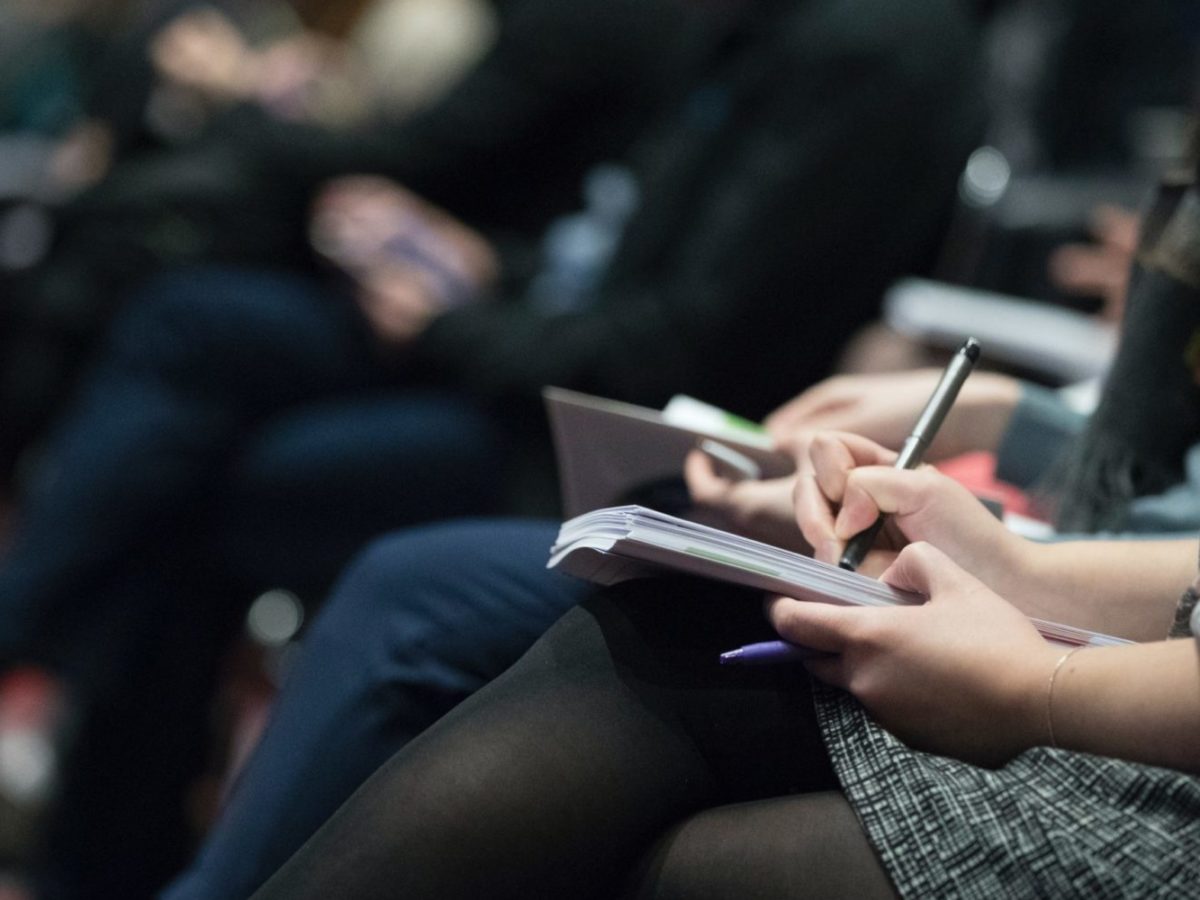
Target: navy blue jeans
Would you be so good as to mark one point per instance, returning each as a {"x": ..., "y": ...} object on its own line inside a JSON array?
[
  {"x": 238, "y": 431},
  {"x": 248, "y": 412},
  {"x": 421, "y": 620}
]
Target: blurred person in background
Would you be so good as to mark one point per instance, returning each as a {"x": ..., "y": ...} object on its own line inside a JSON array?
[{"x": 136, "y": 173}]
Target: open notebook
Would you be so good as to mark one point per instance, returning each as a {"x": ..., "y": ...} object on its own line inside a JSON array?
[{"x": 619, "y": 543}]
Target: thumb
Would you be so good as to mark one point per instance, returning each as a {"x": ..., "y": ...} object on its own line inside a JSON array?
[
  {"x": 874, "y": 490},
  {"x": 923, "y": 569},
  {"x": 824, "y": 627}
]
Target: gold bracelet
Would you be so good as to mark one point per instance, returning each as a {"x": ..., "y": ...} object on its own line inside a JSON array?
[{"x": 1050, "y": 693}]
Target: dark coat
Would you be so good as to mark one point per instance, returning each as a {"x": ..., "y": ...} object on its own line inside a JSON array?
[{"x": 814, "y": 162}]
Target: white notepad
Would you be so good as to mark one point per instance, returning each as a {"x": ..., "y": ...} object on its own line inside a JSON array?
[{"x": 616, "y": 544}]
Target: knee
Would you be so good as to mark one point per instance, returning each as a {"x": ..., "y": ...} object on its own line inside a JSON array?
[
  {"x": 460, "y": 553},
  {"x": 389, "y": 565},
  {"x": 439, "y": 599},
  {"x": 392, "y": 593}
]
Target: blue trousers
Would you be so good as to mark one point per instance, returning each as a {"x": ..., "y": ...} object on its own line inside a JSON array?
[
  {"x": 420, "y": 620},
  {"x": 244, "y": 409},
  {"x": 238, "y": 431}
]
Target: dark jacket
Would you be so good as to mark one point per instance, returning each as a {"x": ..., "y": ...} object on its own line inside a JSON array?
[{"x": 815, "y": 162}]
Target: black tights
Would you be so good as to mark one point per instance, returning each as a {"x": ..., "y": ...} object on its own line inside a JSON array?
[{"x": 615, "y": 759}]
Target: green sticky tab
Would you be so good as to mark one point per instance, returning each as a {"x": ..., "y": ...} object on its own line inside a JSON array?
[
  {"x": 741, "y": 424},
  {"x": 733, "y": 562}
]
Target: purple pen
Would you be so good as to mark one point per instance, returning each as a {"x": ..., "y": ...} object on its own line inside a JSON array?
[{"x": 765, "y": 653}]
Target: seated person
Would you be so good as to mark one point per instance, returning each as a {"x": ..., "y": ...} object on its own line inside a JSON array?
[
  {"x": 963, "y": 752},
  {"x": 662, "y": 637},
  {"x": 568, "y": 83},
  {"x": 424, "y": 619}
]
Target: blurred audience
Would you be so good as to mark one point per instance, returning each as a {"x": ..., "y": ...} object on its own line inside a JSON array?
[
  {"x": 334, "y": 271},
  {"x": 768, "y": 218},
  {"x": 400, "y": 56},
  {"x": 149, "y": 170}
]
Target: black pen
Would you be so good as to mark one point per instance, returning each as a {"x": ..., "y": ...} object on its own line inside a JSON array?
[{"x": 918, "y": 442}]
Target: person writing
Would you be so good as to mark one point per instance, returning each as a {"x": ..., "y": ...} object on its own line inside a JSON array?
[
  {"x": 617, "y": 755},
  {"x": 961, "y": 757},
  {"x": 399, "y": 620},
  {"x": 961, "y": 753}
]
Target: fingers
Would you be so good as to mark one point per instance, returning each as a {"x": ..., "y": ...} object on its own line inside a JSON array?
[
  {"x": 923, "y": 569},
  {"x": 366, "y": 196},
  {"x": 707, "y": 488},
  {"x": 834, "y": 455},
  {"x": 760, "y": 509},
  {"x": 820, "y": 397},
  {"x": 815, "y": 515},
  {"x": 872, "y": 490},
  {"x": 821, "y": 484},
  {"x": 201, "y": 49},
  {"x": 363, "y": 221},
  {"x": 821, "y": 626},
  {"x": 397, "y": 304}
]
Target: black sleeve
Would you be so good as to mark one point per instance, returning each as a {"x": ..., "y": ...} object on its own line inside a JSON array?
[{"x": 831, "y": 180}]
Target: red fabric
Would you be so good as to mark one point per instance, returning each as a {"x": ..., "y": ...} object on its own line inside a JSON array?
[{"x": 977, "y": 472}]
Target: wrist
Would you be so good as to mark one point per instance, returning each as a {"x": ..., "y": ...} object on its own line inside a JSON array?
[
  {"x": 1022, "y": 571},
  {"x": 1003, "y": 561},
  {"x": 1031, "y": 696}
]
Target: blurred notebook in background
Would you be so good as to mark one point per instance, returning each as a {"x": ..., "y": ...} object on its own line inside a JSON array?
[
  {"x": 617, "y": 544},
  {"x": 611, "y": 452},
  {"x": 1059, "y": 344}
]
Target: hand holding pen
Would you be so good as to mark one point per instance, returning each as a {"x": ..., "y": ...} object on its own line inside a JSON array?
[
  {"x": 829, "y": 500},
  {"x": 923, "y": 433},
  {"x": 832, "y": 494}
]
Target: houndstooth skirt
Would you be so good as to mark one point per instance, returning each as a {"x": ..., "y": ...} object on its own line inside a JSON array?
[{"x": 1051, "y": 823}]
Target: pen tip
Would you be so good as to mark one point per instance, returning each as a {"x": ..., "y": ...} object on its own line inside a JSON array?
[
  {"x": 730, "y": 656},
  {"x": 971, "y": 348}
]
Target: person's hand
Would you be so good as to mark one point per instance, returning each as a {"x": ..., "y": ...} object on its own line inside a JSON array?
[
  {"x": 1100, "y": 269},
  {"x": 203, "y": 51},
  {"x": 361, "y": 222},
  {"x": 398, "y": 302},
  {"x": 289, "y": 73},
  {"x": 761, "y": 510},
  {"x": 965, "y": 674},
  {"x": 884, "y": 408},
  {"x": 844, "y": 482},
  {"x": 410, "y": 260}
]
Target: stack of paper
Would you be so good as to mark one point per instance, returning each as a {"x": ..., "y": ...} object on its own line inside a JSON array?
[{"x": 616, "y": 544}]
